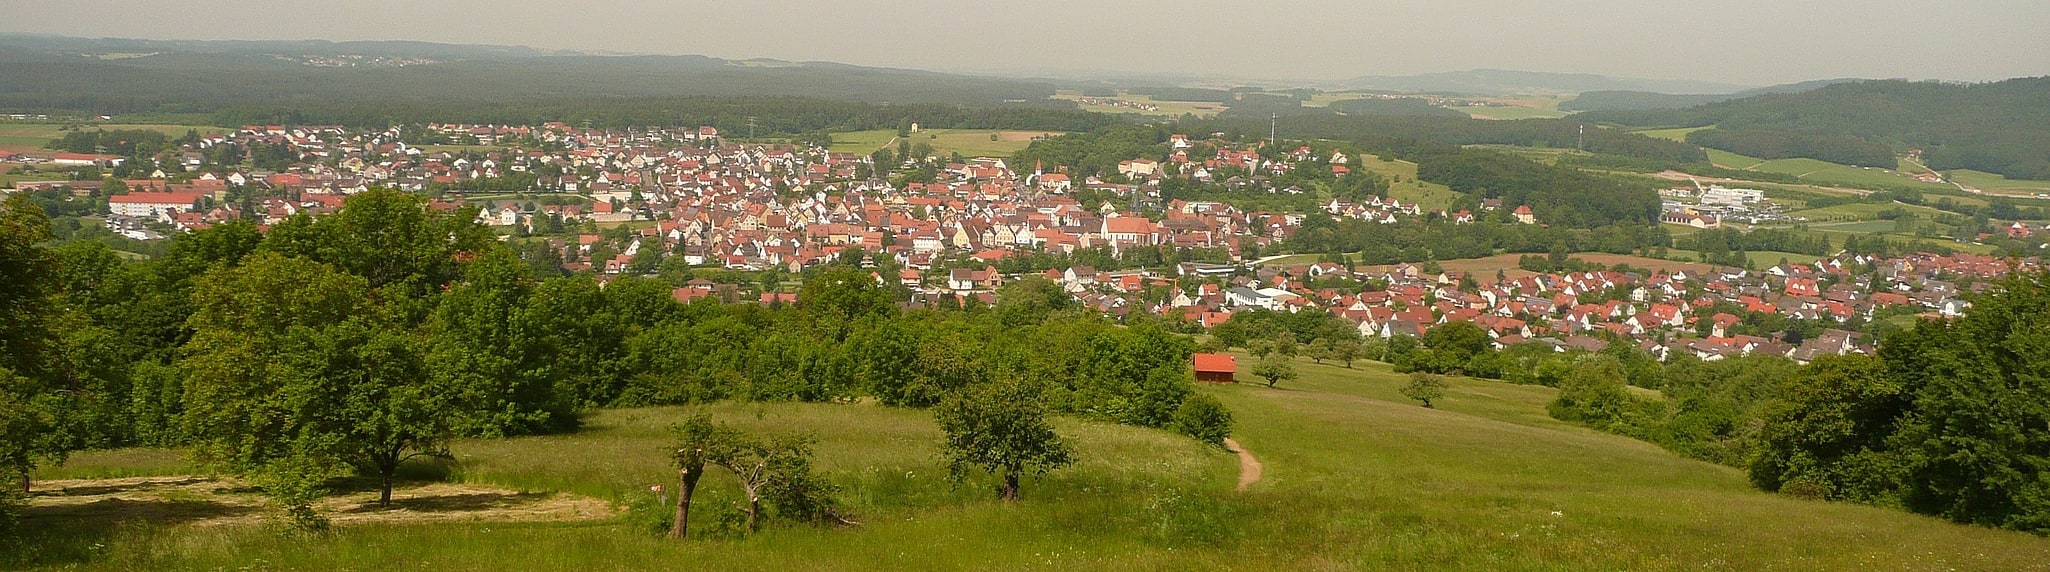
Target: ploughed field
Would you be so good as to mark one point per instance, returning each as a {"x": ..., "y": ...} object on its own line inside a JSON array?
[{"x": 1354, "y": 476}]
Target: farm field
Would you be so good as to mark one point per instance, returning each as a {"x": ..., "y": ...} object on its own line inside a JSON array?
[
  {"x": 1822, "y": 172},
  {"x": 967, "y": 142},
  {"x": 1166, "y": 108},
  {"x": 1515, "y": 108},
  {"x": 20, "y": 137},
  {"x": 1863, "y": 211},
  {"x": 1675, "y": 134},
  {"x": 1993, "y": 183},
  {"x": 1356, "y": 477}
]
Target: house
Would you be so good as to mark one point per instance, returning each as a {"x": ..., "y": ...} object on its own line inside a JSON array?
[
  {"x": 963, "y": 279},
  {"x": 152, "y": 204},
  {"x": 1215, "y": 368},
  {"x": 1525, "y": 215}
]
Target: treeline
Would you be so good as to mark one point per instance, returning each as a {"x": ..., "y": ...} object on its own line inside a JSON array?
[
  {"x": 2001, "y": 127},
  {"x": 350, "y": 342},
  {"x": 768, "y": 116},
  {"x": 1774, "y": 144},
  {"x": 1947, "y": 420},
  {"x": 1558, "y": 195}
]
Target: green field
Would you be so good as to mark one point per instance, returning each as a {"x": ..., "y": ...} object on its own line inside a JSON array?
[
  {"x": 1166, "y": 108},
  {"x": 1768, "y": 258},
  {"x": 967, "y": 142},
  {"x": 33, "y": 136},
  {"x": 1676, "y": 134},
  {"x": 1864, "y": 211},
  {"x": 1356, "y": 478},
  {"x": 1993, "y": 183},
  {"x": 1432, "y": 196}
]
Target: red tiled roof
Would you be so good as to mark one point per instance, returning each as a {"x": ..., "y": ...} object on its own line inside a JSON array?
[{"x": 1222, "y": 363}]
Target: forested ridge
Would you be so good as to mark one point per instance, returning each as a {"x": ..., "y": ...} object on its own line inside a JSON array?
[{"x": 2000, "y": 127}]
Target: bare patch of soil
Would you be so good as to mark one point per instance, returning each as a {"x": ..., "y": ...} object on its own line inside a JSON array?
[{"x": 212, "y": 501}]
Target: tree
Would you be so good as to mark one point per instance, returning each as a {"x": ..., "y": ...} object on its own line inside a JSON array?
[
  {"x": 1345, "y": 351},
  {"x": 1319, "y": 350},
  {"x": 1974, "y": 443},
  {"x": 29, "y": 283},
  {"x": 1203, "y": 417},
  {"x": 1826, "y": 435},
  {"x": 1592, "y": 393},
  {"x": 1424, "y": 387},
  {"x": 292, "y": 374},
  {"x": 1275, "y": 368},
  {"x": 1000, "y": 428}
]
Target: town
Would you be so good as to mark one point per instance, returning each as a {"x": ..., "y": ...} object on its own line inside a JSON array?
[{"x": 663, "y": 201}]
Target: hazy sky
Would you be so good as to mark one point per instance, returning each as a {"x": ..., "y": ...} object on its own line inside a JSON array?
[{"x": 1753, "y": 42}]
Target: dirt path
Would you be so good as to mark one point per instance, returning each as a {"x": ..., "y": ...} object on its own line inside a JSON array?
[{"x": 1249, "y": 467}]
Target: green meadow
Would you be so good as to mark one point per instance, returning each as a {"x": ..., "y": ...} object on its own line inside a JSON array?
[
  {"x": 967, "y": 142},
  {"x": 1356, "y": 477}
]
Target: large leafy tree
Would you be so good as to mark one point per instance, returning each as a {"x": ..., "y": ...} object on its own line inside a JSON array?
[
  {"x": 293, "y": 376},
  {"x": 1826, "y": 435},
  {"x": 1977, "y": 442},
  {"x": 1000, "y": 428},
  {"x": 28, "y": 350}
]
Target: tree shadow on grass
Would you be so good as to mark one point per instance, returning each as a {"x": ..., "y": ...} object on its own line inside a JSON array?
[
  {"x": 97, "y": 490},
  {"x": 63, "y": 534}
]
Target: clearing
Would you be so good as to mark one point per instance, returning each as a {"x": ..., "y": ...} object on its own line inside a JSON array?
[
  {"x": 967, "y": 142},
  {"x": 208, "y": 501}
]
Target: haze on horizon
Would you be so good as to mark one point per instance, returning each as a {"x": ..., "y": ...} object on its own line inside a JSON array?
[{"x": 1745, "y": 42}]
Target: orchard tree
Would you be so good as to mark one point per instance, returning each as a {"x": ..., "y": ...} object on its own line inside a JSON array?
[
  {"x": 1000, "y": 428},
  {"x": 699, "y": 441},
  {"x": 1275, "y": 368},
  {"x": 1424, "y": 387}
]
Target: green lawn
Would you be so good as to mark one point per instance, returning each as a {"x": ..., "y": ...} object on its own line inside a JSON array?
[
  {"x": 967, "y": 142},
  {"x": 1356, "y": 478}
]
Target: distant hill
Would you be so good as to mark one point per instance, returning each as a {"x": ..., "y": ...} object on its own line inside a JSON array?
[
  {"x": 42, "y": 73},
  {"x": 1645, "y": 100},
  {"x": 2001, "y": 127},
  {"x": 1495, "y": 82}
]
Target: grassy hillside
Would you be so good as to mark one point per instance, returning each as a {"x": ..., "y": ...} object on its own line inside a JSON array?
[{"x": 1356, "y": 477}]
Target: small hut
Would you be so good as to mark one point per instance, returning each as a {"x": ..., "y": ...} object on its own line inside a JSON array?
[{"x": 1216, "y": 368}]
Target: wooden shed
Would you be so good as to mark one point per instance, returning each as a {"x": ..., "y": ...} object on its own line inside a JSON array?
[{"x": 1216, "y": 368}]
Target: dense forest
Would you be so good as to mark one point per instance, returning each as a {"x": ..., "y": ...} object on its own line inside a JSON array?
[
  {"x": 2001, "y": 127},
  {"x": 203, "y": 82}
]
